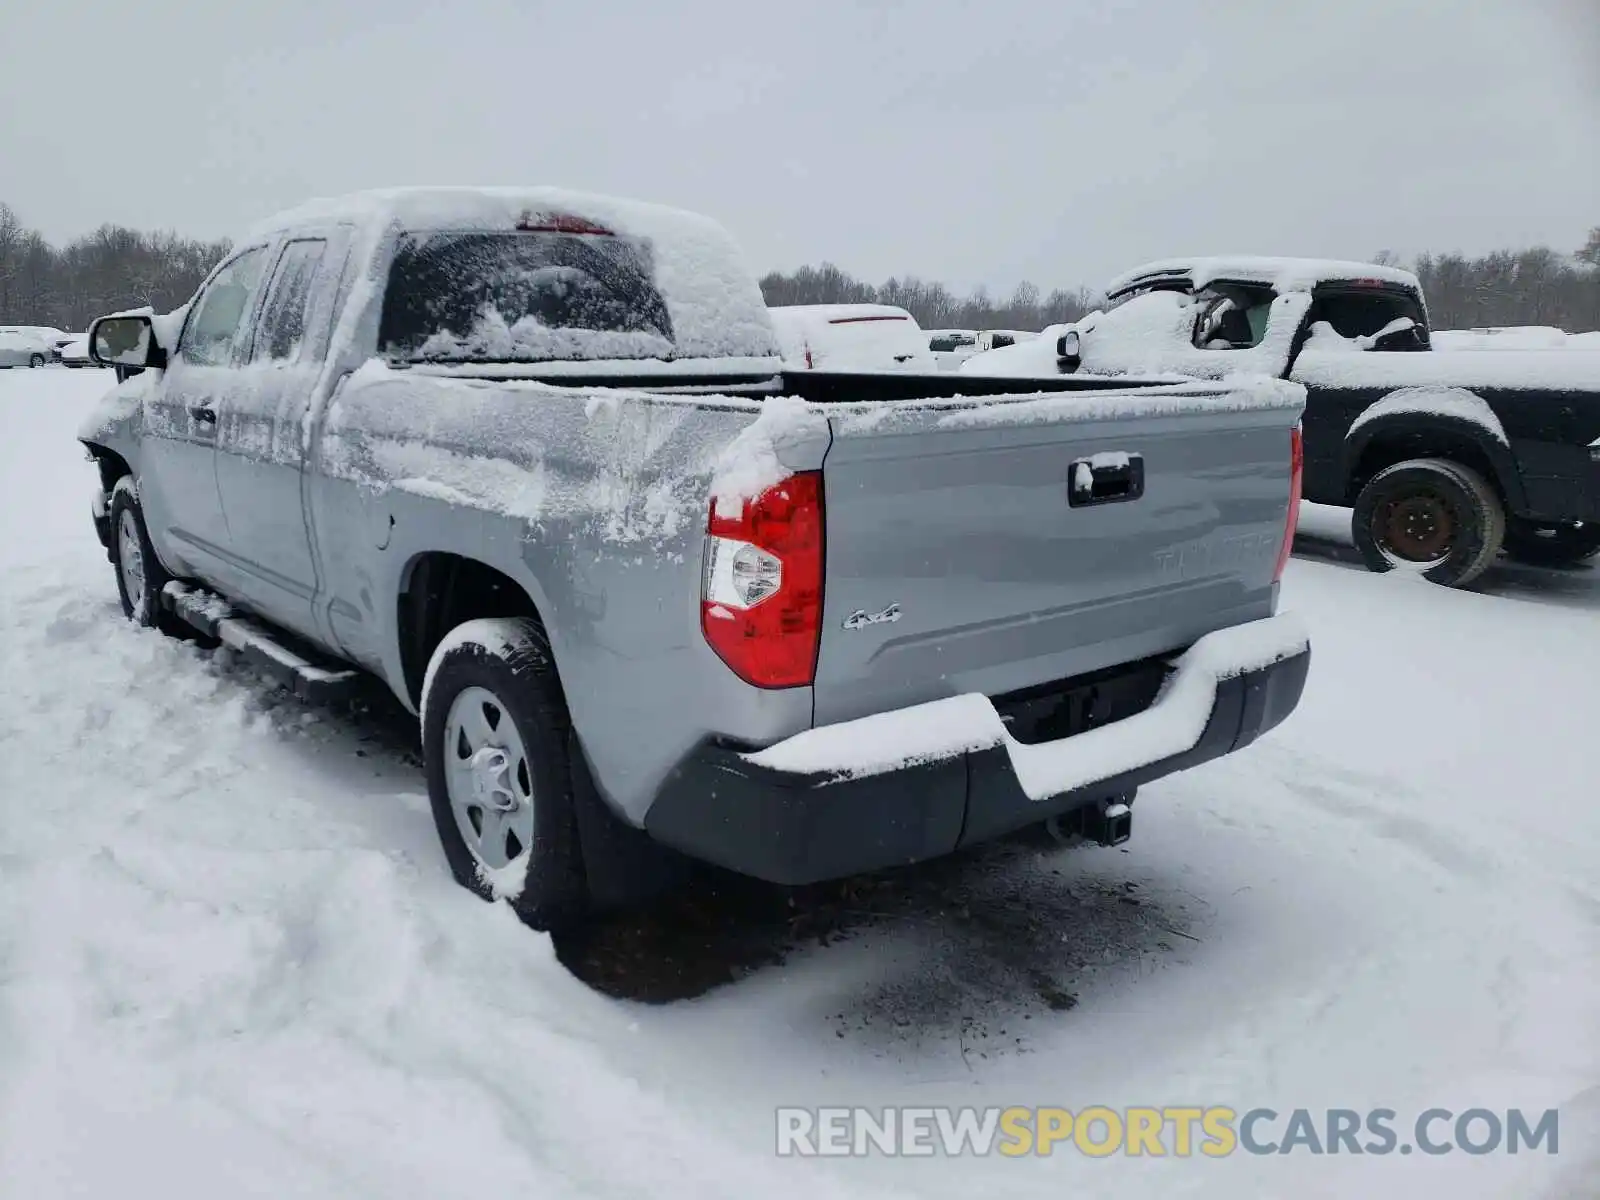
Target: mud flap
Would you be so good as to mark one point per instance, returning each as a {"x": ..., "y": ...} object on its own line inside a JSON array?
[{"x": 622, "y": 865}]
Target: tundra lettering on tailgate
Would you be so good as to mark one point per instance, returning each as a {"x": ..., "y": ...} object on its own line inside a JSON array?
[{"x": 1207, "y": 556}]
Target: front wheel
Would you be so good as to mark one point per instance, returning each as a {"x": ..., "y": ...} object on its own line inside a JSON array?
[
  {"x": 36, "y": 360},
  {"x": 140, "y": 575},
  {"x": 494, "y": 735},
  {"x": 1552, "y": 545},
  {"x": 1432, "y": 517}
]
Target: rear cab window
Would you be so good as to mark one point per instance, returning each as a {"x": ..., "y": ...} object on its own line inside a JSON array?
[
  {"x": 1362, "y": 310},
  {"x": 566, "y": 291}
]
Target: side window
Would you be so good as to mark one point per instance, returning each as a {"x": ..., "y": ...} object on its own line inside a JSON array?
[
  {"x": 1232, "y": 319},
  {"x": 283, "y": 321},
  {"x": 214, "y": 325}
]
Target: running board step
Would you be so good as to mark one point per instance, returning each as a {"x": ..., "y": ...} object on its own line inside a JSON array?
[{"x": 259, "y": 645}]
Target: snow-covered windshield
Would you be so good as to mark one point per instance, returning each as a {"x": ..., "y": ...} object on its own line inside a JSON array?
[{"x": 522, "y": 297}]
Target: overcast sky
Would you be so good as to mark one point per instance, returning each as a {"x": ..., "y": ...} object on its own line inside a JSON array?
[{"x": 1058, "y": 141}]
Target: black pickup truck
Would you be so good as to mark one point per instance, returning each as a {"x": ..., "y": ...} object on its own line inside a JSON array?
[{"x": 1447, "y": 458}]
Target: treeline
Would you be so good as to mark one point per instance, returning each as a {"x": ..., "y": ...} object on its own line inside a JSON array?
[
  {"x": 1539, "y": 286},
  {"x": 1527, "y": 287},
  {"x": 932, "y": 304},
  {"x": 111, "y": 269},
  {"x": 115, "y": 268}
]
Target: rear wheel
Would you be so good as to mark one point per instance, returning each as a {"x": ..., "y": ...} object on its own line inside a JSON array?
[
  {"x": 1552, "y": 545},
  {"x": 495, "y": 745},
  {"x": 1431, "y": 517}
]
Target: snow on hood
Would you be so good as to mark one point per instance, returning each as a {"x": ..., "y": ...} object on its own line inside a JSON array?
[
  {"x": 1030, "y": 359},
  {"x": 709, "y": 289},
  {"x": 1284, "y": 274},
  {"x": 1150, "y": 336}
]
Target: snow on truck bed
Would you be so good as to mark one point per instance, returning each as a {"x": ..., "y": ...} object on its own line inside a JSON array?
[{"x": 1526, "y": 337}]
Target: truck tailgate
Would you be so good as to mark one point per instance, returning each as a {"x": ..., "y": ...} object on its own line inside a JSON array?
[{"x": 998, "y": 544}]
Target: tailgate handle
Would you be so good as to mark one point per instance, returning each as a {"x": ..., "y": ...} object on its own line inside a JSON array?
[{"x": 1105, "y": 479}]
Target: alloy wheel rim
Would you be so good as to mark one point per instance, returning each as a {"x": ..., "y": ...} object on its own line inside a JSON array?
[
  {"x": 488, "y": 778},
  {"x": 130, "y": 558}
]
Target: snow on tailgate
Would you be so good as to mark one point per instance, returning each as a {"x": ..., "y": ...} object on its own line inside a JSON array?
[{"x": 1241, "y": 393}]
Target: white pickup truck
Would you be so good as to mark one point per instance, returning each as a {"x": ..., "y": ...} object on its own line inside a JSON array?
[{"x": 530, "y": 458}]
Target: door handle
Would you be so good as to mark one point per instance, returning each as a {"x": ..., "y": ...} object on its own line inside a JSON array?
[
  {"x": 204, "y": 413},
  {"x": 1105, "y": 479}
]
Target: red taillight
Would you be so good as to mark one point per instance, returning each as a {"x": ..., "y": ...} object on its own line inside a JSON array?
[
  {"x": 761, "y": 587},
  {"x": 1297, "y": 475},
  {"x": 560, "y": 223}
]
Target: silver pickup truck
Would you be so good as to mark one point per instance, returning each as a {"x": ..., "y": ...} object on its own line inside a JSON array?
[{"x": 529, "y": 457}]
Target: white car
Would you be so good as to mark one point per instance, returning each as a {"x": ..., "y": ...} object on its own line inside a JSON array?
[
  {"x": 851, "y": 337},
  {"x": 952, "y": 347},
  {"x": 23, "y": 348},
  {"x": 75, "y": 352}
]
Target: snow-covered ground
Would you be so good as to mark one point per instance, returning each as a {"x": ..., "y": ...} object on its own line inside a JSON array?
[{"x": 232, "y": 961}]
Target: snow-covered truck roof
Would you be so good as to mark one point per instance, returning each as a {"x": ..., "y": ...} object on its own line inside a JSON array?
[
  {"x": 1285, "y": 274},
  {"x": 711, "y": 293},
  {"x": 845, "y": 314},
  {"x": 858, "y": 337}
]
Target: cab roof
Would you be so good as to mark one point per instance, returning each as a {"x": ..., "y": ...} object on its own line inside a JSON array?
[{"x": 1285, "y": 274}]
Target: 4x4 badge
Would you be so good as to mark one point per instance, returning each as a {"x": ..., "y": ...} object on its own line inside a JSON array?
[{"x": 861, "y": 618}]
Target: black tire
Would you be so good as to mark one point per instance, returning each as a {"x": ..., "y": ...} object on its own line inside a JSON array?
[
  {"x": 510, "y": 658},
  {"x": 1429, "y": 511},
  {"x": 36, "y": 360},
  {"x": 1552, "y": 545},
  {"x": 141, "y": 604}
]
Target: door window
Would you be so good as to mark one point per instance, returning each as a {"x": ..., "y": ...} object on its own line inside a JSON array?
[{"x": 220, "y": 312}]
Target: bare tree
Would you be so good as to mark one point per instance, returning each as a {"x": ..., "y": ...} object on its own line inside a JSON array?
[
  {"x": 1590, "y": 253},
  {"x": 110, "y": 269}
]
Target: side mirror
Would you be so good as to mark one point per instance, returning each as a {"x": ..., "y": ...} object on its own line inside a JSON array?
[
  {"x": 125, "y": 342},
  {"x": 1069, "y": 349}
]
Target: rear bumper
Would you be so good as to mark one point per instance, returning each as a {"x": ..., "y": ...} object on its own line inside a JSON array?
[{"x": 922, "y": 782}]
